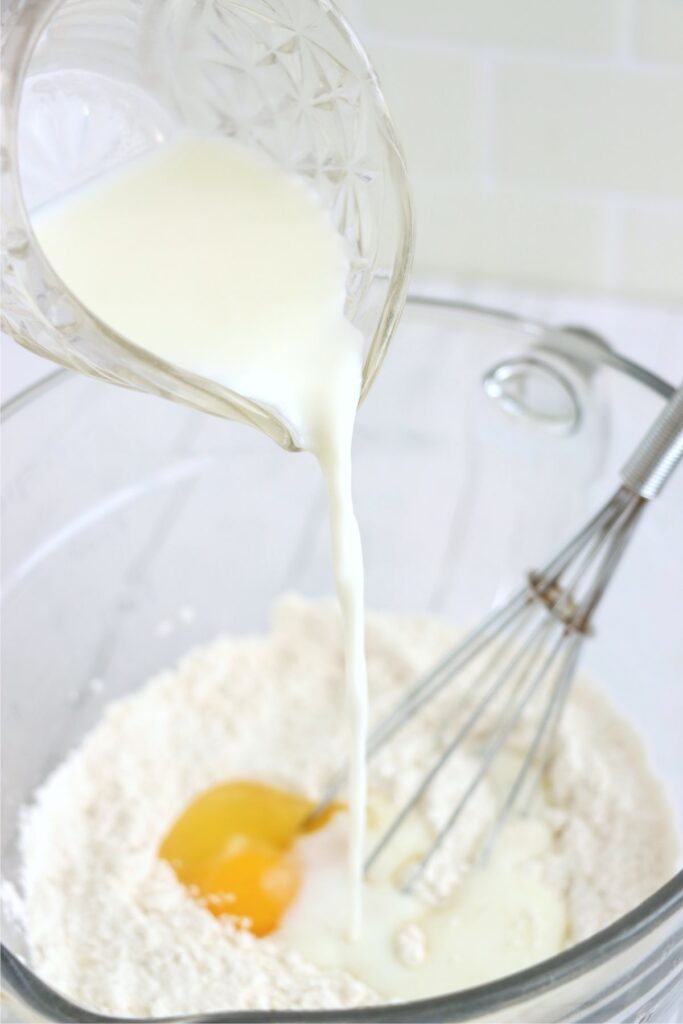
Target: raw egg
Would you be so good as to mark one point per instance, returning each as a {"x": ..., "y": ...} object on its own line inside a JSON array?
[{"x": 232, "y": 848}]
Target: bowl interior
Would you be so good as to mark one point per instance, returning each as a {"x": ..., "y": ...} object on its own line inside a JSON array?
[{"x": 135, "y": 528}]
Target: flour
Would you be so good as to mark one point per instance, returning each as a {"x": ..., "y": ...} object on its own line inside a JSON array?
[
  {"x": 411, "y": 945},
  {"x": 109, "y": 925}
]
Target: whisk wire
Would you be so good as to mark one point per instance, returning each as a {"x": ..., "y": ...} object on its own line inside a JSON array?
[
  {"x": 545, "y": 732},
  {"x": 532, "y": 648},
  {"x": 429, "y": 686},
  {"x": 618, "y": 543},
  {"x": 470, "y": 722},
  {"x": 490, "y": 751},
  {"x": 554, "y": 569}
]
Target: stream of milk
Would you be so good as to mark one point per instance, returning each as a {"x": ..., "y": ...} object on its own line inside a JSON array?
[{"x": 216, "y": 261}]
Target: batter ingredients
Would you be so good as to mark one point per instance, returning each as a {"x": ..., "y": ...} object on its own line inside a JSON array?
[
  {"x": 220, "y": 263},
  {"x": 599, "y": 840}
]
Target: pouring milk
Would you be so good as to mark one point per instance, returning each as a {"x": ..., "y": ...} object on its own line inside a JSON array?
[{"x": 214, "y": 260}]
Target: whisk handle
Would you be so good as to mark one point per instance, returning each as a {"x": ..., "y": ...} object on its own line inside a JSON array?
[{"x": 660, "y": 451}]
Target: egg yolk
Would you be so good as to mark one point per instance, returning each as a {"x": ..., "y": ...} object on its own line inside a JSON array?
[{"x": 232, "y": 848}]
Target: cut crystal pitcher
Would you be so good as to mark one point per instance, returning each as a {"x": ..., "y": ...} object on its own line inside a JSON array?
[{"x": 91, "y": 84}]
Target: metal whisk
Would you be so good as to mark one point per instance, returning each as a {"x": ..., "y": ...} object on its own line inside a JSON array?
[{"x": 530, "y": 646}]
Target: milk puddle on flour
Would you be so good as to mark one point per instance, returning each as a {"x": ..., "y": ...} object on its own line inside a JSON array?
[{"x": 218, "y": 262}]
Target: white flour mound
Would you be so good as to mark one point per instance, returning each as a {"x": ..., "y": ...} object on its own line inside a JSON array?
[{"x": 109, "y": 925}]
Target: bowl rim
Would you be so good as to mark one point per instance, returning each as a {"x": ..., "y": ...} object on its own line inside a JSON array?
[
  {"x": 22, "y": 985},
  {"x": 418, "y": 297},
  {"x": 464, "y": 1005}
]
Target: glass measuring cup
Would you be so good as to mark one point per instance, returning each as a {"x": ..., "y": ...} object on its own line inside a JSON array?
[{"x": 94, "y": 83}]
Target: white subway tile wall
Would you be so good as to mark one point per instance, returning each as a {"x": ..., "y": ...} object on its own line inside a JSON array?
[
  {"x": 450, "y": 143},
  {"x": 544, "y": 138},
  {"x": 505, "y": 235},
  {"x": 602, "y": 130}
]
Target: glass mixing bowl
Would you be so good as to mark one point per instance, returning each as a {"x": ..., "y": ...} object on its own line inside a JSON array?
[{"x": 121, "y": 512}]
